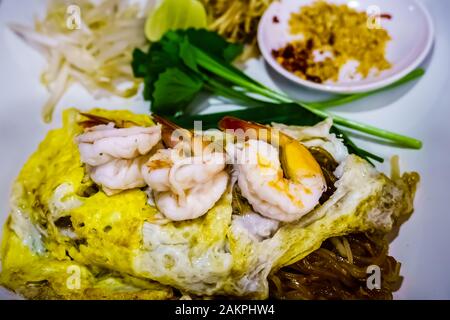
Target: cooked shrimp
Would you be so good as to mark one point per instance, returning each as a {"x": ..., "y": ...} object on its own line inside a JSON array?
[
  {"x": 114, "y": 155},
  {"x": 281, "y": 195},
  {"x": 197, "y": 200},
  {"x": 167, "y": 170},
  {"x": 119, "y": 174},
  {"x": 102, "y": 143},
  {"x": 185, "y": 187}
]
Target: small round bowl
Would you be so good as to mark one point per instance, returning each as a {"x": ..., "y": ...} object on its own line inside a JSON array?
[{"x": 410, "y": 28}]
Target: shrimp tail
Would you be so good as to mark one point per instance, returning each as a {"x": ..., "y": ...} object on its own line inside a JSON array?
[
  {"x": 290, "y": 149},
  {"x": 253, "y": 130},
  {"x": 167, "y": 131},
  {"x": 95, "y": 120},
  {"x": 234, "y": 123}
]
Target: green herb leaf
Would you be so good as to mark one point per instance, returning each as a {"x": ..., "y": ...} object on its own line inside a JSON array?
[
  {"x": 139, "y": 63},
  {"x": 174, "y": 90},
  {"x": 232, "y": 52},
  {"x": 213, "y": 44},
  {"x": 187, "y": 54}
]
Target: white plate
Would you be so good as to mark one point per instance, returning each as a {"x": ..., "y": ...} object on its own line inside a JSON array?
[
  {"x": 421, "y": 110},
  {"x": 410, "y": 28}
]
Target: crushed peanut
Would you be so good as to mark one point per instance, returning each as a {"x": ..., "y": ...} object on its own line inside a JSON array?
[{"x": 339, "y": 34}]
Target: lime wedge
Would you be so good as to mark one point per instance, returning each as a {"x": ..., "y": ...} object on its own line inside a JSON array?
[{"x": 174, "y": 14}]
